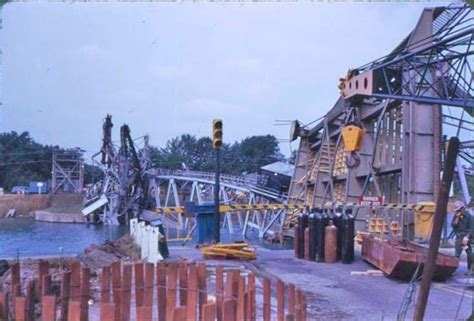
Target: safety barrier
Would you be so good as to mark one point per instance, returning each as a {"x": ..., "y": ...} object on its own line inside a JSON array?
[
  {"x": 182, "y": 294},
  {"x": 147, "y": 238}
]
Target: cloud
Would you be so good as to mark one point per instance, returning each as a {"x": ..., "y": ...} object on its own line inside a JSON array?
[
  {"x": 93, "y": 51},
  {"x": 204, "y": 108},
  {"x": 168, "y": 71}
]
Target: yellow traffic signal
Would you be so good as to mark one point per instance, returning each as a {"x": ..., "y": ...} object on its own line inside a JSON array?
[{"x": 217, "y": 133}]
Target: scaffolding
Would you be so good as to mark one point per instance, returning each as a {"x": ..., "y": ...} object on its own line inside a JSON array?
[{"x": 68, "y": 171}]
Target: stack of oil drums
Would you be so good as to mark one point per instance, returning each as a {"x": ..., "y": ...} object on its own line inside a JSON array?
[{"x": 325, "y": 236}]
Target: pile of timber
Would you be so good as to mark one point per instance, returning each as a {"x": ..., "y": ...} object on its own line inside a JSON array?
[{"x": 234, "y": 251}]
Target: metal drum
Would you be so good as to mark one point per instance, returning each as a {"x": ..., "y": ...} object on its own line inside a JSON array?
[
  {"x": 348, "y": 233},
  {"x": 330, "y": 243}
]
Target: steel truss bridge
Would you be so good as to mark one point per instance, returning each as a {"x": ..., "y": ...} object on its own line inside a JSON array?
[{"x": 174, "y": 188}]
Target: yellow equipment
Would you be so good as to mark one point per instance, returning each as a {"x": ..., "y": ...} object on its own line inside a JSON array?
[
  {"x": 424, "y": 221},
  {"x": 237, "y": 251},
  {"x": 352, "y": 137}
]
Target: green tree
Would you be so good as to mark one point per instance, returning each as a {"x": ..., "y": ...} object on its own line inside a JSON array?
[
  {"x": 257, "y": 151},
  {"x": 197, "y": 154},
  {"x": 23, "y": 160}
]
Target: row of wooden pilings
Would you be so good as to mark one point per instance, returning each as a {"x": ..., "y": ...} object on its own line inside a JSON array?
[{"x": 181, "y": 290}]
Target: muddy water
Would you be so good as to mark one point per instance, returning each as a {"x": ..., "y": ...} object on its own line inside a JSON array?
[{"x": 27, "y": 238}]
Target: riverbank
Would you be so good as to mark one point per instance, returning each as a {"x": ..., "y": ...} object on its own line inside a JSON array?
[{"x": 23, "y": 204}]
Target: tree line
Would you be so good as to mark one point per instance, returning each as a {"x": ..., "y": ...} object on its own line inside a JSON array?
[
  {"x": 22, "y": 159},
  {"x": 189, "y": 152}
]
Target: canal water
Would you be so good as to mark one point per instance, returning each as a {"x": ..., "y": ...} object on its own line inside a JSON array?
[{"x": 25, "y": 237}]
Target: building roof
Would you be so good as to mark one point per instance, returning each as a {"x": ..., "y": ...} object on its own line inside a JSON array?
[{"x": 280, "y": 168}]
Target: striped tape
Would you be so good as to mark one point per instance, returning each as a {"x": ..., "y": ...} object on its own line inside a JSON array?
[
  {"x": 237, "y": 207},
  {"x": 274, "y": 207},
  {"x": 415, "y": 207}
]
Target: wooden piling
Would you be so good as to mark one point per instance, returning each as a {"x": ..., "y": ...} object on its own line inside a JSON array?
[
  {"x": 126, "y": 293},
  {"x": 144, "y": 313},
  {"x": 74, "y": 310},
  {"x": 139, "y": 284},
  {"x": 241, "y": 313},
  {"x": 116, "y": 268},
  {"x": 280, "y": 287},
  {"x": 4, "y": 305},
  {"x": 267, "y": 288},
  {"x": 149, "y": 281},
  {"x": 209, "y": 312},
  {"x": 251, "y": 300},
  {"x": 202, "y": 287},
  {"x": 45, "y": 285},
  {"x": 171, "y": 289},
  {"x": 183, "y": 282},
  {"x": 299, "y": 305},
  {"x": 19, "y": 308},
  {"x": 229, "y": 310},
  {"x": 65, "y": 295},
  {"x": 85, "y": 293},
  {"x": 30, "y": 300},
  {"x": 179, "y": 314},
  {"x": 105, "y": 285},
  {"x": 291, "y": 299},
  {"x": 76, "y": 281},
  {"x": 15, "y": 276},
  {"x": 43, "y": 269},
  {"x": 219, "y": 291},
  {"x": 235, "y": 283},
  {"x": 161, "y": 291},
  {"x": 48, "y": 308},
  {"x": 108, "y": 311},
  {"x": 192, "y": 292}
]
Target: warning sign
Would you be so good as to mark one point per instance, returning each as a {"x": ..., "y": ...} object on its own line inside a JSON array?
[{"x": 371, "y": 201}]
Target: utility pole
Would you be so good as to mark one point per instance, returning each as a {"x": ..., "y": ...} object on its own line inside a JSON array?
[
  {"x": 438, "y": 220},
  {"x": 217, "y": 215},
  {"x": 217, "y": 146}
]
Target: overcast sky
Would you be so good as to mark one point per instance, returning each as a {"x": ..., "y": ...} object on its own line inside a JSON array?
[{"x": 169, "y": 69}]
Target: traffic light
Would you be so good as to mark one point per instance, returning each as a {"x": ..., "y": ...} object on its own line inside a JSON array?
[{"x": 217, "y": 133}]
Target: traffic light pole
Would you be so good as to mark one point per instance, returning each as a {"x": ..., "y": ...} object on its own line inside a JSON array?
[{"x": 217, "y": 215}]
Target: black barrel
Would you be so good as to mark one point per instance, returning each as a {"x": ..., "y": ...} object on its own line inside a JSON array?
[
  {"x": 302, "y": 225},
  {"x": 312, "y": 237},
  {"x": 321, "y": 219},
  {"x": 337, "y": 220},
  {"x": 348, "y": 233},
  {"x": 326, "y": 217}
]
